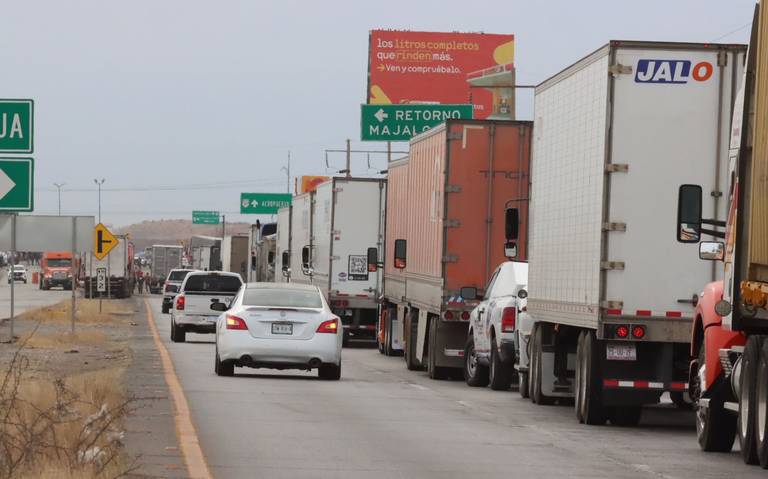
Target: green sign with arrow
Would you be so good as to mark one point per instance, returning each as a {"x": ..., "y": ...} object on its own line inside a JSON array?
[
  {"x": 401, "y": 122},
  {"x": 17, "y": 177},
  {"x": 263, "y": 203},
  {"x": 205, "y": 217}
]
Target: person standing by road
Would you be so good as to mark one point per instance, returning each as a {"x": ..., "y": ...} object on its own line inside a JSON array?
[{"x": 141, "y": 283}]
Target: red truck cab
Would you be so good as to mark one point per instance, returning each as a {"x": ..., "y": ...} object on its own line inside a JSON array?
[{"x": 56, "y": 270}]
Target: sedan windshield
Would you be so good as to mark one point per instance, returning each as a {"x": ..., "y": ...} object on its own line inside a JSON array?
[{"x": 282, "y": 298}]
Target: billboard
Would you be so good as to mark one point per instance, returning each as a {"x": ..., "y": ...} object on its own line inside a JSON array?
[{"x": 432, "y": 67}]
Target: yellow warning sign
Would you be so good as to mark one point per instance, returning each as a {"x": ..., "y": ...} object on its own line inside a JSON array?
[{"x": 103, "y": 241}]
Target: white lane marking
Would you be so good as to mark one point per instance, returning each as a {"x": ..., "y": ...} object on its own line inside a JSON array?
[{"x": 419, "y": 387}]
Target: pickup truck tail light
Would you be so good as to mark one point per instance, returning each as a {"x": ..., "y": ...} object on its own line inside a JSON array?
[
  {"x": 508, "y": 316},
  {"x": 233, "y": 322},
  {"x": 331, "y": 326},
  {"x": 180, "y": 302}
]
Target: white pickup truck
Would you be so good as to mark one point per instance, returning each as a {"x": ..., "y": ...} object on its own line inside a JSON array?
[
  {"x": 192, "y": 305},
  {"x": 489, "y": 356}
]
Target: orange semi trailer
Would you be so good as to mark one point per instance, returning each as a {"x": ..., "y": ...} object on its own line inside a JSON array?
[{"x": 445, "y": 234}]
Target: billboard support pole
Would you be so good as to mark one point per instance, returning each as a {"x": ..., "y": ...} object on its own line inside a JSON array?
[
  {"x": 72, "y": 270},
  {"x": 349, "y": 159}
]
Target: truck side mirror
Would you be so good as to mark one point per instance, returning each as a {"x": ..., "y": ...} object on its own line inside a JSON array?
[
  {"x": 511, "y": 224},
  {"x": 400, "y": 253},
  {"x": 510, "y": 249},
  {"x": 286, "y": 260},
  {"x": 373, "y": 259},
  {"x": 711, "y": 250},
  {"x": 306, "y": 260},
  {"x": 689, "y": 214}
]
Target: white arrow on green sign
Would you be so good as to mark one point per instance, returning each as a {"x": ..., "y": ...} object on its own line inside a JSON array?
[
  {"x": 263, "y": 203},
  {"x": 401, "y": 122},
  {"x": 17, "y": 178},
  {"x": 16, "y": 126}
]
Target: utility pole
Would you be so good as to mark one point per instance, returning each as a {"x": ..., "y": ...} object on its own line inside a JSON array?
[
  {"x": 58, "y": 187},
  {"x": 287, "y": 170},
  {"x": 99, "y": 183}
]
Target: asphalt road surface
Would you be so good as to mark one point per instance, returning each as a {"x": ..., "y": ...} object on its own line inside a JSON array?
[
  {"x": 383, "y": 421},
  {"x": 26, "y": 296}
]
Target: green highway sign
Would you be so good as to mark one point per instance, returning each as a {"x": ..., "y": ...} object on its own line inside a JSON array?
[
  {"x": 205, "y": 217},
  {"x": 263, "y": 203},
  {"x": 17, "y": 181},
  {"x": 16, "y": 126},
  {"x": 401, "y": 122}
]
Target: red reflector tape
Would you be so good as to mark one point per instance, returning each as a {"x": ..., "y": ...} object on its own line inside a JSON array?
[
  {"x": 678, "y": 386},
  {"x": 611, "y": 383},
  {"x": 641, "y": 384},
  {"x": 643, "y": 312},
  {"x": 674, "y": 314}
]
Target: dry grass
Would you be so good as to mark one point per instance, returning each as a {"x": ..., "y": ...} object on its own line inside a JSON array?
[
  {"x": 87, "y": 312},
  {"x": 69, "y": 427},
  {"x": 66, "y": 341}
]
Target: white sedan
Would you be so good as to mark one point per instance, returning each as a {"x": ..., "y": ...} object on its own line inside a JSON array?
[{"x": 278, "y": 326}]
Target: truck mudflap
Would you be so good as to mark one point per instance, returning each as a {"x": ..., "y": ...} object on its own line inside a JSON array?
[{"x": 449, "y": 343}]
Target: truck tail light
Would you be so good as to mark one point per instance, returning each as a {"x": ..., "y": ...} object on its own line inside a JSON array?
[
  {"x": 638, "y": 332},
  {"x": 180, "y": 302},
  {"x": 508, "y": 316},
  {"x": 331, "y": 326},
  {"x": 622, "y": 331},
  {"x": 465, "y": 315},
  {"x": 448, "y": 315},
  {"x": 233, "y": 322}
]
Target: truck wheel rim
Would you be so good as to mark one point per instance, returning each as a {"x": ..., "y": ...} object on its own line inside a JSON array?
[
  {"x": 744, "y": 403},
  {"x": 472, "y": 362},
  {"x": 762, "y": 403}
]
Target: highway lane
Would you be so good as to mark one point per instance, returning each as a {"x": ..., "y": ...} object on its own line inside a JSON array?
[
  {"x": 382, "y": 421},
  {"x": 26, "y": 296}
]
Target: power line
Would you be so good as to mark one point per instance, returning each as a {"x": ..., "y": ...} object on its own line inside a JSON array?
[
  {"x": 199, "y": 186},
  {"x": 732, "y": 32}
]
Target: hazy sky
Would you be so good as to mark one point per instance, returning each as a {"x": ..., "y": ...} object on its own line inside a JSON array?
[{"x": 189, "y": 95}]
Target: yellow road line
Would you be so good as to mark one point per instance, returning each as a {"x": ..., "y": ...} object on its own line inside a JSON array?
[{"x": 185, "y": 430}]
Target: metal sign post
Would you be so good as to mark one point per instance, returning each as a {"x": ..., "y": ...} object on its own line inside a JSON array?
[{"x": 10, "y": 271}]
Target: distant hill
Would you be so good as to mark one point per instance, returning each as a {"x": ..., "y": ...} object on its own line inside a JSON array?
[{"x": 147, "y": 233}]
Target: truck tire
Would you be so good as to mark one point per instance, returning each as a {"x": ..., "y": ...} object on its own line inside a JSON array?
[
  {"x": 625, "y": 416},
  {"x": 435, "y": 372},
  {"x": 746, "y": 424},
  {"x": 761, "y": 410},
  {"x": 500, "y": 374},
  {"x": 525, "y": 385},
  {"x": 411, "y": 328},
  {"x": 715, "y": 427},
  {"x": 475, "y": 374},
  {"x": 537, "y": 397},
  {"x": 178, "y": 335},
  {"x": 388, "y": 333},
  {"x": 165, "y": 308},
  {"x": 588, "y": 403}
]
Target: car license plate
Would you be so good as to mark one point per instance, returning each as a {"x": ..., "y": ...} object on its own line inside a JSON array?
[
  {"x": 621, "y": 352},
  {"x": 282, "y": 328}
]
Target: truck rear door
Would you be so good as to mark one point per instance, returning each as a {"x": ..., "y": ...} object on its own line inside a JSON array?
[
  {"x": 357, "y": 226},
  {"x": 670, "y": 127}
]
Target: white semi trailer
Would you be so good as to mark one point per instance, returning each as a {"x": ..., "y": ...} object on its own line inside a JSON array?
[{"x": 612, "y": 298}]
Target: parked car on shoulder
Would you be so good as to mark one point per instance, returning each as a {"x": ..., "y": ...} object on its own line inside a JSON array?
[
  {"x": 19, "y": 274},
  {"x": 489, "y": 356},
  {"x": 278, "y": 326},
  {"x": 191, "y": 310},
  {"x": 171, "y": 287}
]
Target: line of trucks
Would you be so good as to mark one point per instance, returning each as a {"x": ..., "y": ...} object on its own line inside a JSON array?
[{"x": 544, "y": 253}]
